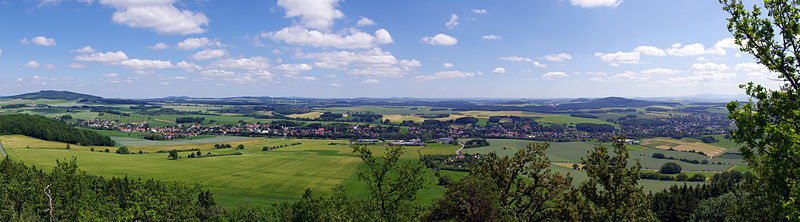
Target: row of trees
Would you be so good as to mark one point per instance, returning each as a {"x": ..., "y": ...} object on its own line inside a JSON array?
[{"x": 47, "y": 129}]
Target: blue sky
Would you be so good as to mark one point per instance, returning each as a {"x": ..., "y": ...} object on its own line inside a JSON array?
[{"x": 368, "y": 48}]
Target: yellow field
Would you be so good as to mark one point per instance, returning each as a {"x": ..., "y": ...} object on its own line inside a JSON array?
[
  {"x": 397, "y": 118},
  {"x": 487, "y": 114},
  {"x": 683, "y": 145},
  {"x": 311, "y": 115}
]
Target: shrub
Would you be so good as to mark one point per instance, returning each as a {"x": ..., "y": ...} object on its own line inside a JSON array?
[
  {"x": 670, "y": 168},
  {"x": 698, "y": 177},
  {"x": 658, "y": 155},
  {"x": 682, "y": 177}
]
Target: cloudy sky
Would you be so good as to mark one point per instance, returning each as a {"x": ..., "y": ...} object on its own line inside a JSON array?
[{"x": 368, "y": 48}]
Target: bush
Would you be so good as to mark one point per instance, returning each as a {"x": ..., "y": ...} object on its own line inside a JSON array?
[
  {"x": 444, "y": 180},
  {"x": 658, "y": 156},
  {"x": 698, "y": 178},
  {"x": 670, "y": 168},
  {"x": 682, "y": 177},
  {"x": 123, "y": 150}
]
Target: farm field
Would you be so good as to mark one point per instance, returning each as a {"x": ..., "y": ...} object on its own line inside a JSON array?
[
  {"x": 685, "y": 144},
  {"x": 127, "y": 141},
  {"x": 255, "y": 176}
]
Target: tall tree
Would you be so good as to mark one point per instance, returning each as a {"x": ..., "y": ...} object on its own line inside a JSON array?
[
  {"x": 392, "y": 182},
  {"x": 612, "y": 192},
  {"x": 768, "y": 125}
]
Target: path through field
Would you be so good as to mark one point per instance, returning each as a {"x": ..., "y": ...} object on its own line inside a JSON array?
[
  {"x": 459, "y": 149},
  {"x": 2, "y": 151}
]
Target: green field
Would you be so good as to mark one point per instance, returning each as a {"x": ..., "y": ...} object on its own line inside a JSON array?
[
  {"x": 255, "y": 176},
  {"x": 127, "y": 141}
]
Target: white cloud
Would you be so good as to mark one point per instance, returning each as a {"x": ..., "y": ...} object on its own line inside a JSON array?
[
  {"x": 159, "y": 46},
  {"x": 24, "y": 41},
  {"x": 480, "y": 11},
  {"x": 371, "y": 81},
  {"x": 453, "y": 21},
  {"x": 110, "y": 75},
  {"x": 318, "y": 14},
  {"x": 1, "y": 52},
  {"x": 309, "y": 78},
  {"x": 85, "y": 49},
  {"x": 374, "y": 62},
  {"x": 43, "y": 41},
  {"x": 49, "y": 67},
  {"x": 499, "y": 70},
  {"x": 159, "y": 15},
  {"x": 354, "y": 39},
  {"x": 447, "y": 65},
  {"x": 551, "y": 75},
  {"x": 538, "y": 64},
  {"x": 32, "y": 65},
  {"x": 143, "y": 72},
  {"x": 660, "y": 71},
  {"x": 77, "y": 66},
  {"x": 619, "y": 77},
  {"x": 695, "y": 49},
  {"x": 252, "y": 63},
  {"x": 195, "y": 43},
  {"x": 146, "y": 64},
  {"x": 650, "y": 50},
  {"x": 703, "y": 74},
  {"x": 292, "y": 68},
  {"x": 754, "y": 69},
  {"x": 445, "y": 75},
  {"x": 728, "y": 43},
  {"x": 364, "y": 21},
  {"x": 619, "y": 57},
  {"x": 515, "y": 59},
  {"x": 492, "y": 37},
  {"x": 106, "y": 57},
  {"x": 596, "y": 3},
  {"x": 209, "y": 54},
  {"x": 557, "y": 57},
  {"x": 336, "y": 85},
  {"x": 187, "y": 66},
  {"x": 440, "y": 39}
]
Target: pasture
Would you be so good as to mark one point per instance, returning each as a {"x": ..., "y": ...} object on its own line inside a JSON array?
[
  {"x": 255, "y": 176},
  {"x": 685, "y": 144}
]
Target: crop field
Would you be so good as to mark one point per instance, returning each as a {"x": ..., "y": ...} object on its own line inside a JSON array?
[
  {"x": 255, "y": 176},
  {"x": 386, "y": 110},
  {"x": 310, "y": 115},
  {"x": 127, "y": 141},
  {"x": 686, "y": 144},
  {"x": 396, "y": 118}
]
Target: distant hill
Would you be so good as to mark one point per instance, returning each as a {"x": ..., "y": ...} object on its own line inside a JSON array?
[
  {"x": 67, "y": 95},
  {"x": 609, "y": 102},
  {"x": 52, "y": 94}
]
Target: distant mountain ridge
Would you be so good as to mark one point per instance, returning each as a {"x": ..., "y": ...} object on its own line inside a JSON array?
[{"x": 53, "y": 94}]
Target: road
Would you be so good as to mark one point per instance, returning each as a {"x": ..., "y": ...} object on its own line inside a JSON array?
[
  {"x": 457, "y": 151},
  {"x": 2, "y": 151}
]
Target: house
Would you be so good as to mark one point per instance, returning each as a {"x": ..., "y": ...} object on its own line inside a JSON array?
[{"x": 369, "y": 141}]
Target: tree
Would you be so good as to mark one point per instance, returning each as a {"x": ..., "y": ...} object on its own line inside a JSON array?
[
  {"x": 173, "y": 155},
  {"x": 392, "y": 183},
  {"x": 670, "y": 168},
  {"x": 122, "y": 150},
  {"x": 522, "y": 185},
  {"x": 240, "y": 147},
  {"x": 682, "y": 177},
  {"x": 611, "y": 193},
  {"x": 768, "y": 125}
]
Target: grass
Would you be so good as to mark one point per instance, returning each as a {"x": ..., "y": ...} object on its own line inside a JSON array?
[
  {"x": 202, "y": 139},
  {"x": 310, "y": 115},
  {"x": 256, "y": 177},
  {"x": 397, "y": 118}
]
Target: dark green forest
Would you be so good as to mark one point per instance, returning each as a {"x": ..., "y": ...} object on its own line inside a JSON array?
[{"x": 47, "y": 129}]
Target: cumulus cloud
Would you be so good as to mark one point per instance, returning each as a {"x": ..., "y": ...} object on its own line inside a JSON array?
[
  {"x": 500, "y": 70},
  {"x": 440, "y": 39},
  {"x": 32, "y": 65},
  {"x": 515, "y": 59},
  {"x": 252, "y": 63},
  {"x": 40, "y": 40},
  {"x": 447, "y": 65},
  {"x": 159, "y": 15},
  {"x": 539, "y": 65},
  {"x": 159, "y": 46},
  {"x": 196, "y": 43},
  {"x": 596, "y": 3},
  {"x": 445, "y": 75},
  {"x": 453, "y": 22},
  {"x": 374, "y": 62},
  {"x": 560, "y": 57},
  {"x": 110, "y": 75},
  {"x": 371, "y": 81},
  {"x": 318, "y": 14},
  {"x": 146, "y": 64},
  {"x": 552, "y": 75},
  {"x": 209, "y": 54},
  {"x": 492, "y": 37},
  {"x": 187, "y": 66},
  {"x": 650, "y": 50},
  {"x": 292, "y": 69},
  {"x": 754, "y": 69},
  {"x": 480, "y": 11},
  {"x": 695, "y": 49},
  {"x": 660, "y": 71},
  {"x": 619, "y": 57},
  {"x": 619, "y": 77},
  {"x": 103, "y": 57},
  {"x": 702, "y": 74},
  {"x": 364, "y": 21},
  {"x": 85, "y": 49},
  {"x": 354, "y": 39}
]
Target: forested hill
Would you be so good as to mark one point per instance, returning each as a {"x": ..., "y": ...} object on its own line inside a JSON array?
[
  {"x": 48, "y": 129},
  {"x": 52, "y": 94}
]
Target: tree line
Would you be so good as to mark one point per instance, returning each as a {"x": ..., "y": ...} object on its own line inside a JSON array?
[{"x": 47, "y": 129}]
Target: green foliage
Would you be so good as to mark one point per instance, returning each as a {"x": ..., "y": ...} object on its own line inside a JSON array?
[
  {"x": 611, "y": 193},
  {"x": 123, "y": 150},
  {"x": 670, "y": 168},
  {"x": 476, "y": 143},
  {"x": 392, "y": 183},
  {"x": 173, "y": 155},
  {"x": 768, "y": 128},
  {"x": 519, "y": 187},
  {"x": 51, "y": 130}
]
